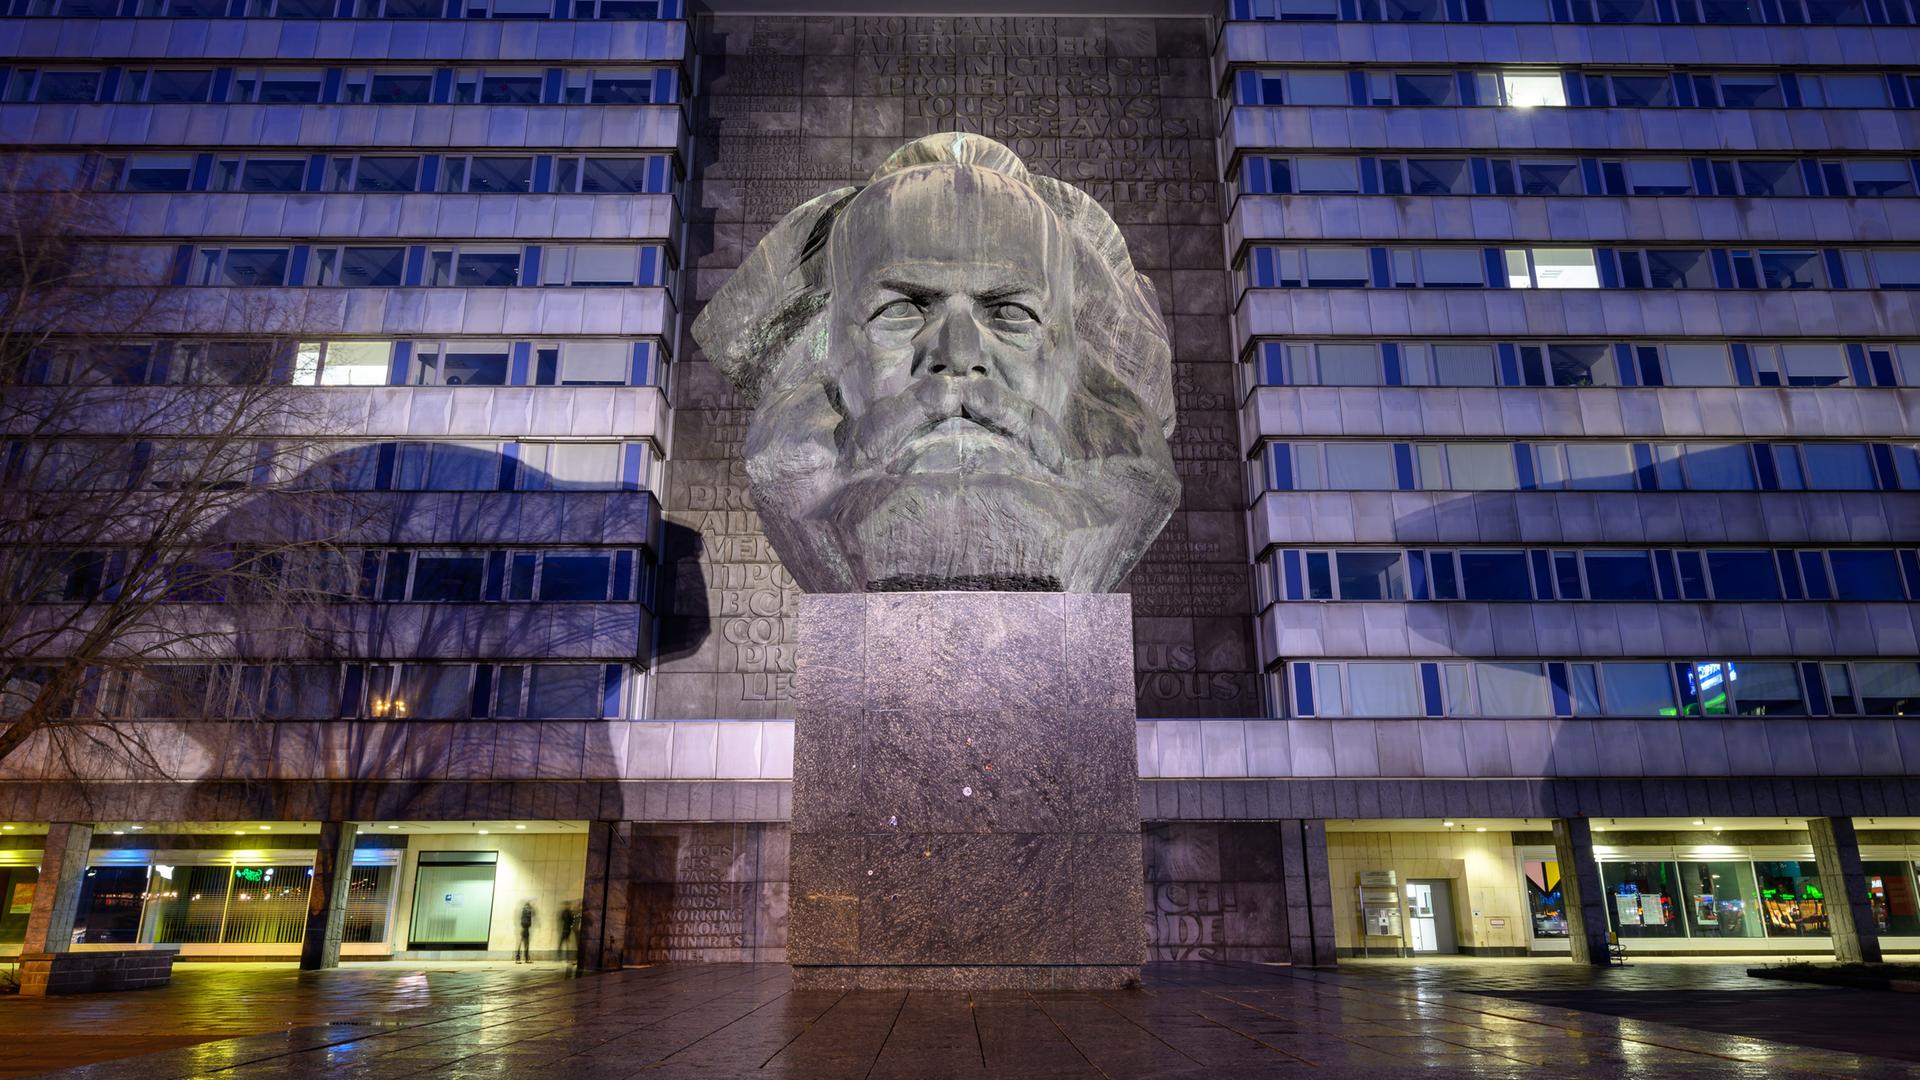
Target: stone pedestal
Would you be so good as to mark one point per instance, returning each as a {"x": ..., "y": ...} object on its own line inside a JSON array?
[{"x": 966, "y": 806}]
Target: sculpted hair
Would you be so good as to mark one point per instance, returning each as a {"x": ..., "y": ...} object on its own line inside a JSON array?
[{"x": 761, "y": 329}]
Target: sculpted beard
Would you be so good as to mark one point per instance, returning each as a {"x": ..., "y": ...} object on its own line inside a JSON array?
[{"x": 1023, "y": 473}]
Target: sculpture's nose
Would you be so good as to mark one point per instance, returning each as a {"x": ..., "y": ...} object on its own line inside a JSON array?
[{"x": 957, "y": 348}]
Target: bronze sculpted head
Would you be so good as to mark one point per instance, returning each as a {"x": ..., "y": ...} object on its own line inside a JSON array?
[{"x": 959, "y": 381}]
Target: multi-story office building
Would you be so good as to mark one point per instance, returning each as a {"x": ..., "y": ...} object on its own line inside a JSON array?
[{"x": 1547, "y": 564}]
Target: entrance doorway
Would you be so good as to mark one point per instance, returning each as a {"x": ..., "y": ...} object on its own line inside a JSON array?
[{"x": 1430, "y": 915}]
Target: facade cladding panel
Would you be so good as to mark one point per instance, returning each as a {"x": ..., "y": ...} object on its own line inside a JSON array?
[{"x": 1546, "y": 378}]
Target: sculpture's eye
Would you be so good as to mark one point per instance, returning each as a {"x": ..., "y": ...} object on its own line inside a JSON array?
[
  {"x": 1015, "y": 315},
  {"x": 898, "y": 309}
]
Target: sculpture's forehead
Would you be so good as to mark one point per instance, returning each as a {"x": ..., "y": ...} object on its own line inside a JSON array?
[{"x": 934, "y": 216}]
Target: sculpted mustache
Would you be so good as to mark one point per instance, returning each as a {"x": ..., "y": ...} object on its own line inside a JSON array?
[{"x": 891, "y": 424}]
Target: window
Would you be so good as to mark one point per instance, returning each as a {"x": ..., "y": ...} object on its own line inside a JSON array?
[
  {"x": 1764, "y": 178},
  {"x": 420, "y": 691},
  {"x": 1581, "y": 365},
  {"x": 447, "y": 466},
  {"x": 1637, "y": 689},
  {"x": 447, "y": 577},
  {"x": 1552, "y": 268},
  {"x": 1336, "y": 268},
  {"x": 594, "y": 265},
  {"x": 1425, "y": 176},
  {"x": 1371, "y": 575},
  {"x": 387, "y": 87},
  {"x": 1803, "y": 364},
  {"x": 377, "y": 174},
  {"x": 563, "y": 692},
  {"x": 259, "y": 174},
  {"x": 1667, "y": 268},
  {"x": 1897, "y": 269},
  {"x": 1792, "y": 270},
  {"x": 1659, "y": 176},
  {"x": 569, "y": 466},
  {"x": 1383, "y": 689},
  {"x": 1793, "y": 903},
  {"x": 1526, "y": 90},
  {"x": 1699, "y": 365},
  {"x": 1274, "y": 87},
  {"x": 65, "y": 85},
  {"x": 1619, "y": 575},
  {"x": 157, "y": 172},
  {"x": 1324, "y": 175},
  {"x": 1643, "y": 899},
  {"x": 1749, "y": 91},
  {"x": 1879, "y": 178},
  {"x": 1844, "y": 91},
  {"x": 1765, "y": 689},
  {"x": 277, "y": 85},
  {"x": 1721, "y": 900},
  {"x": 461, "y": 363},
  {"x": 1512, "y": 690},
  {"x": 1464, "y": 365},
  {"x": 1743, "y": 575},
  {"x": 243, "y": 267},
  {"x": 473, "y": 267},
  {"x": 621, "y": 86},
  {"x": 1548, "y": 177},
  {"x": 1495, "y": 575},
  {"x": 1630, "y": 91},
  {"x": 1585, "y": 466},
  {"x": 565, "y": 577},
  {"x": 1439, "y": 268},
  {"x": 1886, "y": 689},
  {"x": 1866, "y": 575},
  {"x": 502, "y": 87},
  {"x": 614, "y": 175},
  {"x": 359, "y": 267},
  {"x": 488, "y": 175},
  {"x": 1838, "y": 467},
  {"x": 592, "y": 363},
  {"x": 1717, "y": 467},
  {"x": 1360, "y": 467},
  {"x": 616, "y": 9},
  {"x": 342, "y": 363}
]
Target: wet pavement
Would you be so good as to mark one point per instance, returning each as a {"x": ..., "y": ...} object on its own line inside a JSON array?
[
  {"x": 1190, "y": 1021},
  {"x": 1715, "y": 995},
  {"x": 207, "y": 1002}
]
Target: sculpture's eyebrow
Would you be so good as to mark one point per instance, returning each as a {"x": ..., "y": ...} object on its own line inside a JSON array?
[
  {"x": 906, "y": 288},
  {"x": 1007, "y": 291}
]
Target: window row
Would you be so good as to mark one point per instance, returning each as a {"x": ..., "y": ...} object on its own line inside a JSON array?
[
  {"x": 352, "y": 363},
  {"x": 359, "y": 173},
  {"x": 1585, "y": 363},
  {"x": 546, "y": 575},
  {"x": 1738, "y": 898},
  {"x": 399, "y": 691},
  {"x": 1302, "y": 174},
  {"x": 285, "y": 85},
  {"x": 1711, "y": 12},
  {"x": 1607, "y": 574},
  {"x": 352, "y": 9},
  {"x": 1644, "y": 688},
  {"x": 1554, "y": 87},
  {"x": 489, "y": 465},
  {"x": 1268, "y": 266},
  {"x": 253, "y": 265},
  {"x": 1589, "y": 466}
]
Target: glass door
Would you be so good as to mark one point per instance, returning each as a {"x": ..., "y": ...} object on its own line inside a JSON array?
[{"x": 453, "y": 900}]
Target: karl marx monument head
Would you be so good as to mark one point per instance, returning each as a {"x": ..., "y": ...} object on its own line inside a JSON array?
[{"x": 959, "y": 381}]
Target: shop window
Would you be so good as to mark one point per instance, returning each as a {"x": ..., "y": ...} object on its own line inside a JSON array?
[
  {"x": 1890, "y": 894},
  {"x": 186, "y": 904},
  {"x": 1721, "y": 900},
  {"x": 369, "y": 904},
  {"x": 1791, "y": 899},
  {"x": 1643, "y": 899},
  {"x": 1546, "y": 898},
  {"x": 111, "y": 898},
  {"x": 453, "y": 900},
  {"x": 17, "y": 884}
]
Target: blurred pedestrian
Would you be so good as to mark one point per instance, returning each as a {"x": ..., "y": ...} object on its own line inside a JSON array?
[
  {"x": 525, "y": 952},
  {"x": 567, "y": 920}
]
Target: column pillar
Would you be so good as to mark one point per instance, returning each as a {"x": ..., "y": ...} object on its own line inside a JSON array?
[
  {"x": 603, "y": 901},
  {"x": 1836, "y": 849},
  {"x": 327, "y": 902},
  {"x": 56, "y": 899},
  {"x": 1580, "y": 890},
  {"x": 1308, "y": 883}
]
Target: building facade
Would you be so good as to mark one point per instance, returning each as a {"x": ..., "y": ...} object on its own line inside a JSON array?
[{"x": 1546, "y": 567}]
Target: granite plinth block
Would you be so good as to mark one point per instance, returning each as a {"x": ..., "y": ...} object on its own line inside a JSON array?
[{"x": 965, "y": 793}]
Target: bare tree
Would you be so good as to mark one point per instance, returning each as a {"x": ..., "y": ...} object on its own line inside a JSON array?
[{"x": 155, "y": 528}]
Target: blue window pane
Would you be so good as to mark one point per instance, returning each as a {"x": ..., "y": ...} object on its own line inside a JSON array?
[
  {"x": 1637, "y": 689},
  {"x": 1838, "y": 467},
  {"x": 1495, "y": 575},
  {"x": 1766, "y": 689},
  {"x": 1371, "y": 575},
  {"x": 1619, "y": 575},
  {"x": 1719, "y": 467},
  {"x": 1866, "y": 575},
  {"x": 1743, "y": 575}
]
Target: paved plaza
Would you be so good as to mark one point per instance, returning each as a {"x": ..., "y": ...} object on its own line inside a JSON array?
[{"x": 1189, "y": 1021}]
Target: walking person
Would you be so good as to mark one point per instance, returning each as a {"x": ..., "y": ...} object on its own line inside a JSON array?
[
  {"x": 567, "y": 920},
  {"x": 525, "y": 951}
]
